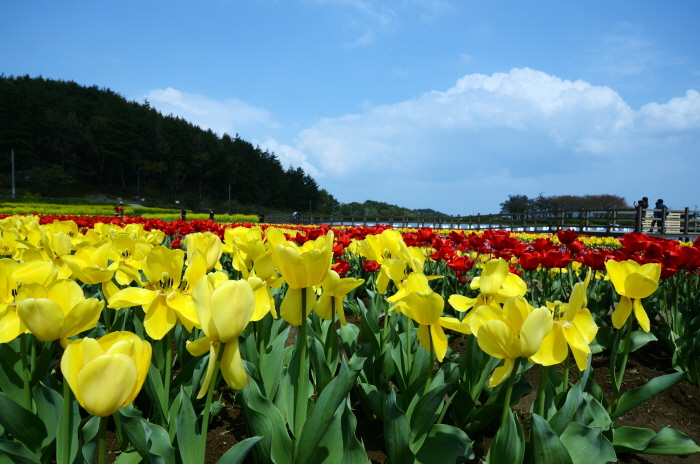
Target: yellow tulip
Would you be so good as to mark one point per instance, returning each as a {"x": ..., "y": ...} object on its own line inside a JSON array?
[
  {"x": 335, "y": 289},
  {"x": 633, "y": 282},
  {"x": 383, "y": 246},
  {"x": 574, "y": 326},
  {"x": 497, "y": 284},
  {"x": 14, "y": 284},
  {"x": 90, "y": 264},
  {"x": 106, "y": 374},
  {"x": 166, "y": 298},
  {"x": 210, "y": 244},
  {"x": 224, "y": 308},
  {"x": 516, "y": 331},
  {"x": 302, "y": 268},
  {"x": 419, "y": 302},
  {"x": 58, "y": 311}
]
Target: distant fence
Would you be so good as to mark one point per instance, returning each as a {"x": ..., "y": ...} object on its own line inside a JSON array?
[{"x": 657, "y": 222}]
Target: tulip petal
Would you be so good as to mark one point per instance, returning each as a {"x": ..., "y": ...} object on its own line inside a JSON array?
[
  {"x": 160, "y": 318},
  {"x": 424, "y": 336},
  {"x": 501, "y": 373},
  {"x": 232, "y": 305},
  {"x": 493, "y": 276},
  {"x": 497, "y": 339},
  {"x": 43, "y": 318},
  {"x": 461, "y": 303},
  {"x": 132, "y": 296},
  {"x": 640, "y": 286},
  {"x": 10, "y": 325},
  {"x": 76, "y": 355},
  {"x": 535, "y": 327},
  {"x": 82, "y": 317},
  {"x": 439, "y": 341},
  {"x": 641, "y": 315},
  {"x": 323, "y": 306},
  {"x": 232, "y": 367},
  {"x": 199, "y": 346},
  {"x": 105, "y": 383},
  {"x": 586, "y": 325},
  {"x": 290, "y": 310},
  {"x": 456, "y": 325},
  {"x": 66, "y": 293},
  {"x": 213, "y": 356},
  {"x": 622, "y": 312},
  {"x": 579, "y": 345},
  {"x": 553, "y": 348},
  {"x": 482, "y": 314}
]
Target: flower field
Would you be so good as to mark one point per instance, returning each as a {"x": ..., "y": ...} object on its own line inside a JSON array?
[{"x": 134, "y": 339}]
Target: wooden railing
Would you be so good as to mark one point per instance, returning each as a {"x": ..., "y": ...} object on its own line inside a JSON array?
[{"x": 669, "y": 223}]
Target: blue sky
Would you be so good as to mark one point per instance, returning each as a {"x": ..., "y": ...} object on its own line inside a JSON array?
[{"x": 444, "y": 104}]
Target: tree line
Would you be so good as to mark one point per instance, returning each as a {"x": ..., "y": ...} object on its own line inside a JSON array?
[
  {"x": 522, "y": 203},
  {"x": 71, "y": 140}
]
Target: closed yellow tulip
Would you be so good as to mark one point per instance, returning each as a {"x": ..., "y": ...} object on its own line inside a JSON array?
[
  {"x": 58, "y": 311},
  {"x": 106, "y": 374},
  {"x": 224, "y": 308}
]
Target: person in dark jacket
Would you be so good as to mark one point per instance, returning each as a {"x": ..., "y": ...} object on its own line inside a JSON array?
[{"x": 658, "y": 215}]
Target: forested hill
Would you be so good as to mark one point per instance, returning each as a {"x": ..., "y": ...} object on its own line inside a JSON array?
[{"x": 71, "y": 140}]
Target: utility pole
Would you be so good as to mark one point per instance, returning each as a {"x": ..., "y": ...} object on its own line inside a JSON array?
[
  {"x": 309, "y": 205},
  {"x": 13, "y": 173},
  {"x": 229, "y": 199}
]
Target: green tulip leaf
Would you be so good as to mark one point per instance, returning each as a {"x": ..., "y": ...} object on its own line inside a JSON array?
[
  {"x": 271, "y": 364},
  {"x": 89, "y": 434},
  {"x": 508, "y": 445},
  {"x": 671, "y": 442},
  {"x": 22, "y": 424},
  {"x": 48, "y": 407},
  {"x": 129, "y": 458},
  {"x": 423, "y": 414},
  {"x": 444, "y": 445},
  {"x": 545, "y": 447},
  {"x": 325, "y": 409},
  {"x": 16, "y": 453},
  {"x": 265, "y": 420},
  {"x": 634, "y": 398},
  {"x": 631, "y": 439},
  {"x": 188, "y": 434},
  {"x": 587, "y": 445},
  {"x": 158, "y": 444},
  {"x": 132, "y": 425},
  {"x": 397, "y": 429},
  {"x": 239, "y": 452},
  {"x": 321, "y": 371}
]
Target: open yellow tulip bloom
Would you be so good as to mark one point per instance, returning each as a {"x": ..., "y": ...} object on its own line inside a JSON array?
[
  {"x": 106, "y": 374},
  {"x": 335, "y": 288},
  {"x": 166, "y": 298},
  {"x": 210, "y": 244},
  {"x": 633, "y": 282},
  {"x": 573, "y": 328},
  {"x": 516, "y": 331}
]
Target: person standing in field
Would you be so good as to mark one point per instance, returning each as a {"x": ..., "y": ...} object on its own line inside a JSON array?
[
  {"x": 211, "y": 214},
  {"x": 121, "y": 209},
  {"x": 183, "y": 214},
  {"x": 116, "y": 210},
  {"x": 658, "y": 215}
]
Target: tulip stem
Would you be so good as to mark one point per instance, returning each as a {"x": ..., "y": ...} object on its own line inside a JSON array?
[
  {"x": 542, "y": 390},
  {"x": 32, "y": 358},
  {"x": 102, "y": 440},
  {"x": 509, "y": 390},
  {"x": 408, "y": 347},
  {"x": 300, "y": 401},
  {"x": 623, "y": 364},
  {"x": 25, "y": 372},
  {"x": 566, "y": 370},
  {"x": 207, "y": 404},
  {"x": 168, "y": 371},
  {"x": 432, "y": 362},
  {"x": 66, "y": 421},
  {"x": 260, "y": 326}
]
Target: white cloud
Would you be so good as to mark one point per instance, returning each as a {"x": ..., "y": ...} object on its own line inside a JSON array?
[
  {"x": 488, "y": 136},
  {"x": 290, "y": 156},
  {"x": 228, "y": 116}
]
